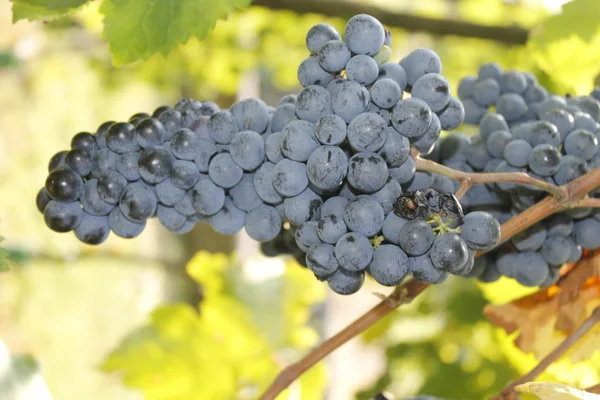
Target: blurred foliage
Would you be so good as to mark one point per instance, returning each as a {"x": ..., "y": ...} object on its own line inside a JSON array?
[
  {"x": 227, "y": 350},
  {"x": 3, "y": 257}
]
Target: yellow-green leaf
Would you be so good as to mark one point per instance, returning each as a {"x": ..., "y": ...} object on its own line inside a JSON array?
[
  {"x": 555, "y": 391},
  {"x": 43, "y": 9}
]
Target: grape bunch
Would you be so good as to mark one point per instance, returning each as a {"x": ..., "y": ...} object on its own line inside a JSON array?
[
  {"x": 558, "y": 145},
  {"x": 326, "y": 176}
]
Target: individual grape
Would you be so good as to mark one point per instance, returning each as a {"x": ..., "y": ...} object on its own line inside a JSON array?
[
  {"x": 92, "y": 229},
  {"x": 42, "y": 199},
  {"x": 480, "y": 230},
  {"x": 426, "y": 144},
  {"x": 326, "y": 168},
  {"x": 273, "y": 147},
  {"x": 367, "y": 132},
  {"x": 389, "y": 266},
  {"x": 306, "y": 235},
  {"x": 562, "y": 119},
  {"x": 91, "y": 201},
  {"x": 362, "y": 69},
  {"x": 385, "y": 93},
  {"x": 585, "y": 121},
  {"x": 405, "y": 173},
  {"x": 469, "y": 265},
  {"x": 532, "y": 269},
  {"x": 421, "y": 180},
  {"x": 138, "y": 202},
  {"x": 496, "y": 143},
  {"x": 206, "y": 197},
  {"x": 490, "y": 70},
  {"x": 206, "y": 149},
  {"x": 243, "y": 195},
  {"x": 542, "y": 132},
  {"x": 486, "y": 92},
  {"x": 581, "y": 143},
  {"x": 229, "y": 220},
  {"x": 223, "y": 127},
  {"x": 334, "y": 206},
  {"x": 531, "y": 239},
  {"x": 137, "y": 118},
  {"x": 364, "y": 34},
  {"x": 476, "y": 153},
  {"x": 298, "y": 140},
  {"x": 84, "y": 141},
  {"x": 263, "y": 223},
  {"x": 490, "y": 123},
  {"x": 310, "y": 73},
  {"x": 155, "y": 164},
  {"x": 449, "y": 253},
  {"x": 247, "y": 149},
  {"x": 169, "y": 194},
  {"x": 334, "y": 55},
  {"x": 385, "y": 114},
  {"x": 396, "y": 148},
  {"x": 223, "y": 171},
  {"x": 465, "y": 87},
  {"x": 349, "y": 99},
  {"x": 517, "y": 153},
  {"x": 411, "y": 118},
  {"x": 453, "y": 115},
  {"x": 170, "y": 218},
  {"x": 365, "y": 215},
  {"x": 101, "y": 134},
  {"x": 506, "y": 264},
  {"x": 490, "y": 274},
  {"x": 64, "y": 184},
  {"x": 545, "y": 160},
  {"x": 103, "y": 160},
  {"x": 185, "y": 206},
  {"x": 110, "y": 186},
  {"x": 473, "y": 112},
  {"x": 287, "y": 99},
  {"x": 331, "y": 86},
  {"x": 320, "y": 34},
  {"x": 123, "y": 227},
  {"x": 575, "y": 252},
  {"x": 443, "y": 184},
  {"x": 304, "y": 207},
  {"x": 387, "y": 195},
  {"x": 251, "y": 115},
  {"x": 172, "y": 121},
  {"x": 321, "y": 260},
  {"x": 160, "y": 110},
  {"x": 395, "y": 72},
  {"x": 416, "y": 237},
  {"x": 420, "y": 62},
  {"x": 187, "y": 226},
  {"x": 57, "y": 161},
  {"x": 513, "y": 82},
  {"x": 535, "y": 94},
  {"x": 184, "y": 174},
  {"x": 391, "y": 227},
  {"x": 284, "y": 114},
  {"x": 149, "y": 132},
  {"x": 184, "y": 144},
  {"x": 263, "y": 184},
  {"x": 330, "y": 129},
  {"x": 354, "y": 252},
  {"x": 559, "y": 224},
  {"x": 550, "y": 103},
  {"x": 346, "y": 282},
  {"x": 289, "y": 178},
  {"x": 367, "y": 172},
  {"x": 331, "y": 228},
  {"x": 453, "y": 147},
  {"x": 120, "y": 138},
  {"x": 511, "y": 106},
  {"x": 80, "y": 161},
  {"x": 423, "y": 270},
  {"x": 570, "y": 168},
  {"x": 586, "y": 233},
  {"x": 556, "y": 249},
  {"x": 62, "y": 216}
]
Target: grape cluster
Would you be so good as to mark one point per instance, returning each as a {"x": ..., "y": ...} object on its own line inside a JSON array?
[
  {"x": 558, "y": 143},
  {"x": 326, "y": 176}
]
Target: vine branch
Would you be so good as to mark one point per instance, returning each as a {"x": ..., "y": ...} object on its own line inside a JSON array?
[
  {"x": 512, "y": 34},
  {"x": 509, "y": 391},
  {"x": 563, "y": 197}
]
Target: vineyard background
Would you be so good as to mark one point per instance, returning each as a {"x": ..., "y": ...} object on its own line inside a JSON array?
[{"x": 78, "y": 310}]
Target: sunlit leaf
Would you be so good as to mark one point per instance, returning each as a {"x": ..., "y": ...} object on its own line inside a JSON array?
[
  {"x": 3, "y": 258},
  {"x": 137, "y": 29},
  {"x": 555, "y": 391},
  {"x": 578, "y": 18},
  {"x": 43, "y": 9}
]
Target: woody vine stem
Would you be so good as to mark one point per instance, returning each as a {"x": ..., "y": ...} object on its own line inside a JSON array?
[{"x": 571, "y": 195}]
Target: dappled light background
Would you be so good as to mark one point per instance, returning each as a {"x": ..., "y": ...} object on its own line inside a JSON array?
[{"x": 83, "y": 312}]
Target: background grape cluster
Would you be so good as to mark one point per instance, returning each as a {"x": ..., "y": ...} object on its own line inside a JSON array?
[
  {"x": 317, "y": 176},
  {"x": 554, "y": 140}
]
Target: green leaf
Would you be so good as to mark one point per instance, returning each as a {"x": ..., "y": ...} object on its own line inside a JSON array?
[
  {"x": 3, "y": 258},
  {"x": 578, "y": 17},
  {"x": 43, "y": 9},
  {"x": 136, "y": 30}
]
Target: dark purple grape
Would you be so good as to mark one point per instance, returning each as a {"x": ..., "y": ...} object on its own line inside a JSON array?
[
  {"x": 149, "y": 132},
  {"x": 92, "y": 229},
  {"x": 138, "y": 202},
  {"x": 135, "y": 119},
  {"x": 120, "y": 138},
  {"x": 42, "y": 199},
  {"x": 64, "y": 185},
  {"x": 155, "y": 164},
  {"x": 111, "y": 185},
  {"x": 172, "y": 121},
  {"x": 84, "y": 140},
  {"x": 57, "y": 161},
  {"x": 101, "y": 134},
  {"x": 62, "y": 217},
  {"x": 160, "y": 110},
  {"x": 80, "y": 161}
]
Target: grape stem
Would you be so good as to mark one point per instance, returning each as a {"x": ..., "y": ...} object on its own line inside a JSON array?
[
  {"x": 467, "y": 179},
  {"x": 567, "y": 196},
  {"x": 587, "y": 202},
  {"x": 508, "y": 393}
]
